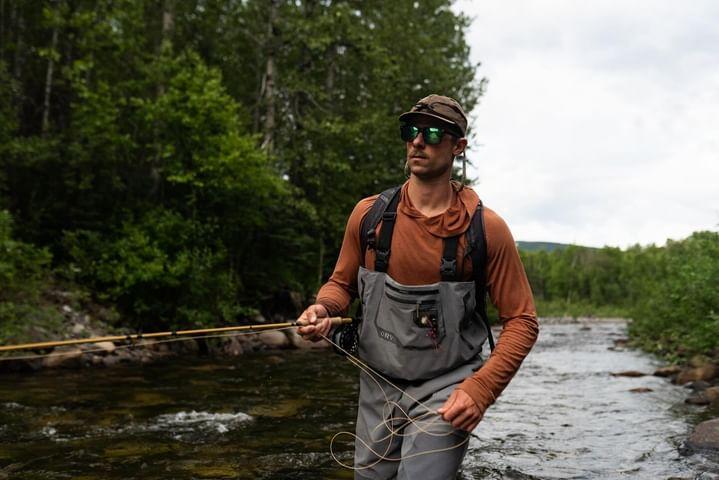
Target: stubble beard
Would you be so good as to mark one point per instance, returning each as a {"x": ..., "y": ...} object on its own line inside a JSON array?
[{"x": 432, "y": 171}]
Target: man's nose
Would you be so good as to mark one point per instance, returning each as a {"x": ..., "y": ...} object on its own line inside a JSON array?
[{"x": 418, "y": 140}]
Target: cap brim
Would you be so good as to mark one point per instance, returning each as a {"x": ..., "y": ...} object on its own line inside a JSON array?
[{"x": 412, "y": 116}]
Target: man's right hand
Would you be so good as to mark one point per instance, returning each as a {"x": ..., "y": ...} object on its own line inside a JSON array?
[{"x": 316, "y": 321}]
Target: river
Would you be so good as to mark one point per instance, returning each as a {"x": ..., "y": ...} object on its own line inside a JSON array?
[{"x": 272, "y": 415}]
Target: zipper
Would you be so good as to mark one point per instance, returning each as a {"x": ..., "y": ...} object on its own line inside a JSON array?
[
  {"x": 410, "y": 302},
  {"x": 412, "y": 292}
]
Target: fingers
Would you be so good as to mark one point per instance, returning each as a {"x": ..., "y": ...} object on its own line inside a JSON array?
[
  {"x": 315, "y": 323},
  {"x": 447, "y": 410},
  {"x": 461, "y": 411}
]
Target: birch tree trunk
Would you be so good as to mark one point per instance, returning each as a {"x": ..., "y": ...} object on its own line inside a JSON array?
[
  {"x": 268, "y": 129},
  {"x": 48, "y": 79}
]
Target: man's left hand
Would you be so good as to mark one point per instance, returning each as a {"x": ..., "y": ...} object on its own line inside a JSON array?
[{"x": 461, "y": 411}]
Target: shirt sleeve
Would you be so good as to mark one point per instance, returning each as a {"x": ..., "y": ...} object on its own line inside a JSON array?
[
  {"x": 510, "y": 292},
  {"x": 336, "y": 295}
]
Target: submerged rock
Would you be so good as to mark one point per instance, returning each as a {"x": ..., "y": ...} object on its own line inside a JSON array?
[
  {"x": 705, "y": 436},
  {"x": 667, "y": 371},
  {"x": 628, "y": 373},
  {"x": 641, "y": 390}
]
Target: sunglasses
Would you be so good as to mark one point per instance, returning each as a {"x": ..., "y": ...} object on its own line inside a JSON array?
[{"x": 431, "y": 135}]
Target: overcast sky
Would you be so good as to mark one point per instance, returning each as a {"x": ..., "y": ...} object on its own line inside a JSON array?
[{"x": 600, "y": 122}]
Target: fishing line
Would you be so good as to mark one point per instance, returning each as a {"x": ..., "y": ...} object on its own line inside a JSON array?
[{"x": 388, "y": 421}]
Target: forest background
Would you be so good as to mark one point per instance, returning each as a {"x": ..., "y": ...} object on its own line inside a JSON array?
[{"x": 184, "y": 163}]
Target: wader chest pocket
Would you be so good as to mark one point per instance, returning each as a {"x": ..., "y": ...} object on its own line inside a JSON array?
[
  {"x": 425, "y": 316},
  {"x": 414, "y": 323}
]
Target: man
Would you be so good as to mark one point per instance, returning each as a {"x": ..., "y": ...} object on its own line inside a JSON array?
[{"x": 420, "y": 330}]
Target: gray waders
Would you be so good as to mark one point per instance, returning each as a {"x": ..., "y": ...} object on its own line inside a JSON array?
[{"x": 425, "y": 339}]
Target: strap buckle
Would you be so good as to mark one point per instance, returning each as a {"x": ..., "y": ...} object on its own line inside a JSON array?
[
  {"x": 381, "y": 260},
  {"x": 448, "y": 269}
]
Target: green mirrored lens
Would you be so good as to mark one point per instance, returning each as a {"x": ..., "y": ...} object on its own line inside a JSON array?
[
  {"x": 433, "y": 135},
  {"x": 408, "y": 132}
]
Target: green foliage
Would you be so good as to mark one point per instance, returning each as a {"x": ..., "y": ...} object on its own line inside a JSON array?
[
  {"x": 670, "y": 292},
  {"x": 23, "y": 267},
  {"x": 678, "y": 307},
  {"x": 23, "y": 274}
]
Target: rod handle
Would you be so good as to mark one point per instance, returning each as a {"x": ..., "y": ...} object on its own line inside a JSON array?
[{"x": 334, "y": 321}]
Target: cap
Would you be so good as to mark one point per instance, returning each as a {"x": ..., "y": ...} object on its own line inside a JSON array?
[{"x": 446, "y": 109}]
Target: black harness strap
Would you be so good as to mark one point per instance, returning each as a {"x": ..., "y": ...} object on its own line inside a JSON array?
[
  {"x": 371, "y": 220},
  {"x": 477, "y": 245},
  {"x": 448, "y": 266},
  {"x": 384, "y": 242}
]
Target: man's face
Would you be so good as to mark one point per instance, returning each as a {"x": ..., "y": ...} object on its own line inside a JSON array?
[{"x": 427, "y": 161}]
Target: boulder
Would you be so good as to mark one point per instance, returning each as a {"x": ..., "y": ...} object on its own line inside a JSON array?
[
  {"x": 274, "y": 339},
  {"x": 696, "y": 399},
  {"x": 233, "y": 347},
  {"x": 64, "y": 357},
  {"x": 712, "y": 393},
  {"x": 705, "y": 372},
  {"x": 705, "y": 397},
  {"x": 705, "y": 436},
  {"x": 107, "y": 347},
  {"x": 303, "y": 344}
]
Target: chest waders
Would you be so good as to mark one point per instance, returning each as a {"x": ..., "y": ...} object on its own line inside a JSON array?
[
  {"x": 427, "y": 339},
  {"x": 416, "y": 332}
]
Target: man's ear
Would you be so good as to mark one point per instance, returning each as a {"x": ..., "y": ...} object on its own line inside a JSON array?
[{"x": 460, "y": 146}]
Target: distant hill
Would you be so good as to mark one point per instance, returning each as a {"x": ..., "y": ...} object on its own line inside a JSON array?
[{"x": 536, "y": 246}]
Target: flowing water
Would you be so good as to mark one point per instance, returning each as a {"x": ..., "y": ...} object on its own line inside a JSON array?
[{"x": 272, "y": 415}]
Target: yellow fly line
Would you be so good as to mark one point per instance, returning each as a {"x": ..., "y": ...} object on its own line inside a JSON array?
[{"x": 178, "y": 333}]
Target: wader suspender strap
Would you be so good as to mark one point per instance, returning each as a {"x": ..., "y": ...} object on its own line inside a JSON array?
[
  {"x": 477, "y": 244},
  {"x": 384, "y": 242},
  {"x": 448, "y": 267},
  {"x": 371, "y": 220}
]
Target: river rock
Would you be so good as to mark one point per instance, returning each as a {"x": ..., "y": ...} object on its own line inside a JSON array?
[
  {"x": 233, "y": 347},
  {"x": 667, "y": 371},
  {"x": 641, "y": 390},
  {"x": 107, "y": 347},
  {"x": 64, "y": 357},
  {"x": 697, "y": 399},
  {"x": 628, "y": 373},
  {"x": 303, "y": 344},
  {"x": 705, "y": 436},
  {"x": 712, "y": 394},
  {"x": 705, "y": 397},
  {"x": 111, "y": 360},
  {"x": 274, "y": 339},
  {"x": 706, "y": 372}
]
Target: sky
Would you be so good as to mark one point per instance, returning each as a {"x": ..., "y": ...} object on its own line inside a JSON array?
[{"x": 600, "y": 121}]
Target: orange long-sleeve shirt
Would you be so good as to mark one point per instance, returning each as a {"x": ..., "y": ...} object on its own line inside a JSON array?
[{"x": 416, "y": 249}]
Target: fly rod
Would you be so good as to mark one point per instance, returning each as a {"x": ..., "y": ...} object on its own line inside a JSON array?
[{"x": 179, "y": 333}]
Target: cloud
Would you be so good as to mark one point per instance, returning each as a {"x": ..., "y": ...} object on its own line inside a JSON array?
[{"x": 600, "y": 121}]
